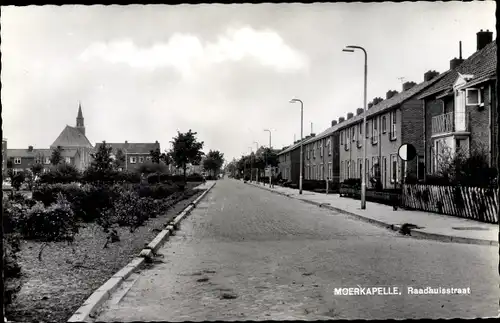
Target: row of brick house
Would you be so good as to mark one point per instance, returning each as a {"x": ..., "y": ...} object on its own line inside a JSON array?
[
  {"x": 446, "y": 112},
  {"x": 76, "y": 149}
]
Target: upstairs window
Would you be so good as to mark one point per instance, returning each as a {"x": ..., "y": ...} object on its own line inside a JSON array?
[
  {"x": 384, "y": 124},
  {"x": 133, "y": 160},
  {"x": 474, "y": 97},
  {"x": 17, "y": 161}
]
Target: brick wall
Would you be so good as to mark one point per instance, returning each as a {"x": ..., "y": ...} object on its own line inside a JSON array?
[
  {"x": 412, "y": 112},
  {"x": 479, "y": 125},
  {"x": 495, "y": 122},
  {"x": 384, "y": 146}
]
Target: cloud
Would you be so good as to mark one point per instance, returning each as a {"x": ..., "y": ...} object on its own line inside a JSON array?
[{"x": 187, "y": 53}]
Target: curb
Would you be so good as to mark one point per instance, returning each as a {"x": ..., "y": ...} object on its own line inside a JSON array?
[
  {"x": 89, "y": 308},
  {"x": 414, "y": 233}
]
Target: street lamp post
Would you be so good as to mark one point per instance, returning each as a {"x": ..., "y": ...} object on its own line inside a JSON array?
[
  {"x": 257, "y": 168},
  {"x": 270, "y": 167},
  {"x": 301, "y": 141},
  {"x": 363, "y": 175}
]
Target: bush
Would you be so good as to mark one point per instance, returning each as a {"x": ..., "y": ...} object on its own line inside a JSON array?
[
  {"x": 54, "y": 223},
  {"x": 156, "y": 191},
  {"x": 128, "y": 177},
  {"x": 96, "y": 176},
  {"x": 194, "y": 178},
  {"x": 352, "y": 183},
  {"x": 11, "y": 268},
  {"x": 61, "y": 173}
]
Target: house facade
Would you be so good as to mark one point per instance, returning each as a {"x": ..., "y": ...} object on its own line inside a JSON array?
[
  {"x": 321, "y": 155},
  {"x": 135, "y": 153},
  {"x": 24, "y": 159},
  {"x": 390, "y": 123},
  {"x": 460, "y": 109}
]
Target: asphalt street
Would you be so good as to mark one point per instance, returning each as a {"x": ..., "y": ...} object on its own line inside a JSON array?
[{"x": 248, "y": 254}]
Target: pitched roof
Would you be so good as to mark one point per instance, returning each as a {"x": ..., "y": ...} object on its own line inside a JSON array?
[
  {"x": 71, "y": 137},
  {"x": 131, "y": 148},
  {"x": 482, "y": 65},
  {"x": 25, "y": 153},
  {"x": 394, "y": 101}
]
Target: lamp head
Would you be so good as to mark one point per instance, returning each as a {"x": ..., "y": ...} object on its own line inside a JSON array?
[{"x": 348, "y": 50}]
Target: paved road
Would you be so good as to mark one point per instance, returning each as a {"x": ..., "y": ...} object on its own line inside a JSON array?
[{"x": 249, "y": 254}]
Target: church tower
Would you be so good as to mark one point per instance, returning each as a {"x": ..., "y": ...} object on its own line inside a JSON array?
[{"x": 79, "y": 120}]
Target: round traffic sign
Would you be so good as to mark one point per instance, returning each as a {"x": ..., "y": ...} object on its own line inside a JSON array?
[{"x": 407, "y": 152}]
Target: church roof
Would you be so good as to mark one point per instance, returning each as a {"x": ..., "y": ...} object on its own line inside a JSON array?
[
  {"x": 71, "y": 137},
  {"x": 80, "y": 114}
]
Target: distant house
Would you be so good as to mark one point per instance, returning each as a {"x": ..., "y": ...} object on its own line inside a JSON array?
[
  {"x": 460, "y": 109},
  {"x": 135, "y": 153},
  {"x": 76, "y": 149}
]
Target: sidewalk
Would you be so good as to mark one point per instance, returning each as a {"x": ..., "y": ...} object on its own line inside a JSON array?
[{"x": 430, "y": 225}]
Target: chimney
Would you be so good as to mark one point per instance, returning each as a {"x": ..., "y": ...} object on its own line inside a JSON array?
[
  {"x": 429, "y": 75},
  {"x": 350, "y": 115},
  {"x": 484, "y": 38},
  {"x": 377, "y": 100},
  {"x": 370, "y": 105},
  {"x": 126, "y": 142},
  {"x": 341, "y": 119},
  {"x": 30, "y": 148},
  {"x": 359, "y": 111},
  {"x": 408, "y": 85},
  {"x": 156, "y": 141},
  {"x": 334, "y": 123},
  {"x": 312, "y": 135},
  {"x": 454, "y": 63},
  {"x": 390, "y": 94}
]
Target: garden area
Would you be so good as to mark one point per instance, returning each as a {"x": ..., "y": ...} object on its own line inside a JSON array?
[{"x": 78, "y": 229}]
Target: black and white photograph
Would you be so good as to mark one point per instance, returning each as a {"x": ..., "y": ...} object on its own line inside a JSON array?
[{"x": 250, "y": 162}]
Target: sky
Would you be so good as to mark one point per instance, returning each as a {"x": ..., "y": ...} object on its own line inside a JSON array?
[{"x": 227, "y": 72}]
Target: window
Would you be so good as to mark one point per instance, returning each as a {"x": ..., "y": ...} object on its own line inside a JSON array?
[
  {"x": 47, "y": 160},
  {"x": 314, "y": 150},
  {"x": 321, "y": 148},
  {"x": 141, "y": 159},
  {"x": 360, "y": 127},
  {"x": 348, "y": 135},
  {"x": 17, "y": 161},
  {"x": 348, "y": 171},
  {"x": 341, "y": 137},
  {"x": 385, "y": 169},
  {"x": 473, "y": 97},
  {"x": 394, "y": 169},
  {"x": 375, "y": 130},
  {"x": 321, "y": 172},
  {"x": 393, "y": 124},
  {"x": 148, "y": 158},
  {"x": 133, "y": 160},
  {"x": 329, "y": 147},
  {"x": 330, "y": 171},
  {"x": 360, "y": 163},
  {"x": 367, "y": 168},
  {"x": 67, "y": 160},
  {"x": 341, "y": 170},
  {"x": 367, "y": 129},
  {"x": 38, "y": 160},
  {"x": 353, "y": 132},
  {"x": 384, "y": 124}
]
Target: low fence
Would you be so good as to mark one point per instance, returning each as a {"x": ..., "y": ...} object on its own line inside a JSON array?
[{"x": 474, "y": 203}]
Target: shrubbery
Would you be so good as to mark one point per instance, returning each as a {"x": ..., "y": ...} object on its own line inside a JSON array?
[{"x": 62, "y": 173}]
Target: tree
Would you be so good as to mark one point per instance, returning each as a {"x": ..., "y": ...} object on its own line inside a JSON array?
[
  {"x": 120, "y": 159},
  {"x": 155, "y": 155},
  {"x": 56, "y": 156},
  {"x": 186, "y": 149},
  {"x": 17, "y": 180},
  {"x": 102, "y": 160},
  {"x": 213, "y": 161}
]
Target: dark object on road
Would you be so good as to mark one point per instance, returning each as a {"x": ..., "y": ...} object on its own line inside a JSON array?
[
  {"x": 202, "y": 280},
  {"x": 406, "y": 228}
]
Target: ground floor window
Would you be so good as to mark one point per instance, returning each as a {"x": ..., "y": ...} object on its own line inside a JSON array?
[{"x": 394, "y": 169}]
